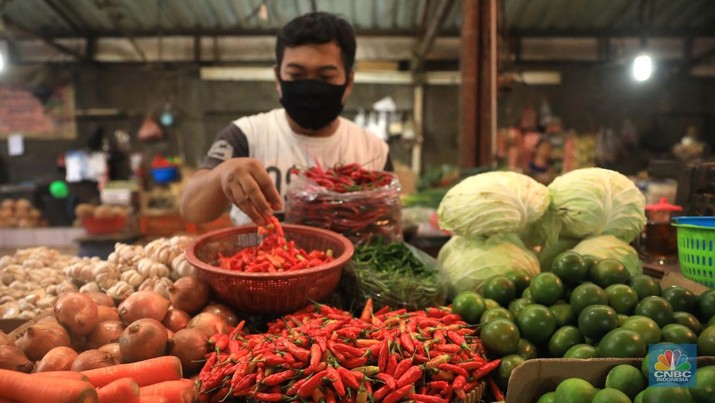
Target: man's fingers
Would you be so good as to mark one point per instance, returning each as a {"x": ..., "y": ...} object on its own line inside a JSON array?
[
  {"x": 268, "y": 188},
  {"x": 251, "y": 188},
  {"x": 243, "y": 201}
]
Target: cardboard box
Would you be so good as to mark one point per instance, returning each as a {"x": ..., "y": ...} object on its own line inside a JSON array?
[{"x": 535, "y": 377}]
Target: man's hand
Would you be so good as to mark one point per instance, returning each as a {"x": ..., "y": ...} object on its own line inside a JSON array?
[{"x": 246, "y": 184}]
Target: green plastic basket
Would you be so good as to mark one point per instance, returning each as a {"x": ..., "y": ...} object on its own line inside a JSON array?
[{"x": 696, "y": 248}]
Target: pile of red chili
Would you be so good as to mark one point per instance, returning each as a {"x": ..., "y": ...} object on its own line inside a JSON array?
[
  {"x": 324, "y": 354},
  {"x": 348, "y": 199},
  {"x": 274, "y": 254}
]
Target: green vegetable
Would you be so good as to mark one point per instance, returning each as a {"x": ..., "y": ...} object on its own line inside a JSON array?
[
  {"x": 469, "y": 264},
  {"x": 596, "y": 201},
  {"x": 398, "y": 275},
  {"x": 493, "y": 203},
  {"x": 610, "y": 247}
]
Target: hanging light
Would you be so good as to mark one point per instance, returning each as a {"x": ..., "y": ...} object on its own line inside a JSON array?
[
  {"x": 2, "y": 61},
  {"x": 642, "y": 67}
]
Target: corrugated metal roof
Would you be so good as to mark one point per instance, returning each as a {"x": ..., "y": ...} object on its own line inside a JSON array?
[{"x": 62, "y": 18}]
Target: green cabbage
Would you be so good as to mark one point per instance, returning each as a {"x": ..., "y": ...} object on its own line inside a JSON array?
[
  {"x": 608, "y": 246},
  {"x": 469, "y": 263},
  {"x": 596, "y": 201},
  {"x": 493, "y": 203}
]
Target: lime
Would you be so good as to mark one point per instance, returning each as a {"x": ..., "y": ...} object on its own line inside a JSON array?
[
  {"x": 689, "y": 320},
  {"x": 500, "y": 336},
  {"x": 678, "y": 334},
  {"x": 597, "y": 320},
  {"x": 645, "y": 286},
  {"x": 622, "y": 319},
  {"x": 563, "y": 339},
  {"x": 639, "y": 397},
  {"x": 706, "y": 341},
  {"x": 645, "y": 326},
  {"x": 707, "y": 305},
  {"x": 549, "y": 397},
  {"x": 587, "y": 294},
  {"x": 570, "y": 267},
  {"x": 506, "y": 366},
  {"x": 526, "y": 349},
  {"x": 494, "y": 313},
  {"x": 704, "y": 389},
  {"x": 490, "y": 303},
  {"x": 564, "y": 314},
  {"x": 622, "y": 343},
  {"x": 581, "y": 351},
  {"x": 574, "y": 390},
  {"x": 680, "y": 298},
  {"x": 610, "y": 395},
  {"x": 608, "y": 272},
  {"x": 536, "y": 323},
  {"x": 590, "y": 262},
  {"x": 546, "y": 288},
  {"x": 656, "y": 308},
  {"x": 622, "y": 298},
  {"x": 500, "y": 289},
  {"x": 469, "y": 305},
  {"x": 626, "y": 378},
  {"x": 520, "y": 278},
  {"x": 645, "y": 369},
  {"x": 518, "y": 304},
  {"x": 711, "y": 321},
  {"x": 666, "y": 394}
]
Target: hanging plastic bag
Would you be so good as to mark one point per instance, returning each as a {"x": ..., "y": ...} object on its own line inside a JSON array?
[{"x": 150, "y": 130}]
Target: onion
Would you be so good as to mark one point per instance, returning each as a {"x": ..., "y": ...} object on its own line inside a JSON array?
[
  {"x": 190, "y": 346},
  {"x": 15, "y": 360},
  {"x": 105, "y": 333},
  {"x": 223, "y": 311},
  {"x": 189, "y": 294},
  {"x": 141, "y": 305},
  {"x": 57, "y": 359},
  {"x": 93, "y": 359},
  {"x": 105, "y": 313},
  {"x": 77, "y": 313},
  {"x": 143, "y": 339},
  {"x": 209, "y": 324},
  {"x": 101, "y": 299},
  {"x": 41, "y": 338},
  {"x": 113, "y": 350},
  {"x": 5, "y": 340},
  {"x": 176, "y": 320}
]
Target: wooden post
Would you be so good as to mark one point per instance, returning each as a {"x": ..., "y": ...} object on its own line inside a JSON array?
[{"x": 478, "y": 92}]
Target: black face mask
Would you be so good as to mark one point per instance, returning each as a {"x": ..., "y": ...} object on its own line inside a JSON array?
[{"x": 313, "y": 104}]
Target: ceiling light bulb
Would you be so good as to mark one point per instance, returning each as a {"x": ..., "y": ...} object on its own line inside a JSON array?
[{"x": 642, "y": 67}]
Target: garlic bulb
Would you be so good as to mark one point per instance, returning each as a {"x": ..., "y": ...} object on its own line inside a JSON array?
[
  {"x": 182, "y": 268},
  {"x": 120, "y": 290},
  {"x": 80, "y": 271},
  {"x": 149, "y": 268},
  {"x": 66, "y": 287},
  {"x": 90, "y": 287},
  {"x": 158, "y": 285},
  {"x": 105, "y": 274},
  {"x": 132, "y": 277}
]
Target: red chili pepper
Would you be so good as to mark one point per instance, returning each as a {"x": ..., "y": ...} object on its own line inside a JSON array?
[
  {"x": 457, "y": 370},
  {"x": 438, "y": 385},
  {"x": 402, "y": 367},
  {"x": 354, "y": 362},
  {"x": 410, "y": 376},
  {"x": 447, "y": 348},
  {"x": 366, "y": 315},
  {"x": 329, "y": 396},
  {"x": 381, "y": 393},
  {"x": 298, "y": 352},
  {"x": 349, "y": 350},
  {"x": 293, "y": 388},
  {"x": 426, "y": 398},
  {"x": 268, "y": 397},
  {"x": 309, "y": 386},
  {"x": 486, "y": 369},
  {"x": 246, "y": 382},
  {"x": 277, "y": 378},
  {"x": 384, "y": 352},
  {"x": 391, "y": 364},
  {"x": 436, "y": 361},
  {"x": 472, "y": 365},
  {"x": 395, "y": 396},
  {"x": 348, "y": 379},
  {"x": 337, "y": 381},
  {"x": 315, "y": 355}
]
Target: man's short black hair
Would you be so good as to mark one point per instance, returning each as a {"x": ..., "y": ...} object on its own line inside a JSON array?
[{"x": 318, "y": 28}]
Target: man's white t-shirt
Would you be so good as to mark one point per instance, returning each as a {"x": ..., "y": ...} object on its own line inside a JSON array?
[{"x": 268, "y": 138}]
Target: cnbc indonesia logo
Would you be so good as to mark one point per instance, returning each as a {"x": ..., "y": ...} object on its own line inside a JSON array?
[{"x": 672, "y": 366}]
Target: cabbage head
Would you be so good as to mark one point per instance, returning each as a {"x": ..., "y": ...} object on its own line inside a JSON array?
[
  {"x": 493, "y": 203},
  {"x": 608, "y": 246},
  {"x": 596, "y": 201},
  {"x": 469, "y": 263}
]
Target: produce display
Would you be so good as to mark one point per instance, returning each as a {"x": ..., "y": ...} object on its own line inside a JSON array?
[
  {"x": 347, "y": 199},
  {"x": 274, "y": 254},
  {"x": 102, "y": 211},
  {"x": 20, "y": 214},
  {"x": 324, "y": 354},
  {"x": 397, "y": 275}
]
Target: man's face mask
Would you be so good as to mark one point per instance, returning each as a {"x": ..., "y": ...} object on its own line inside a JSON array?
[{"x": 313, "y": 104}]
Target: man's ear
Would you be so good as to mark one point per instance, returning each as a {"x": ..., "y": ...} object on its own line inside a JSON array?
[
  {"x": 277, "y": 77},
  {"x": 349, "y": 86}
]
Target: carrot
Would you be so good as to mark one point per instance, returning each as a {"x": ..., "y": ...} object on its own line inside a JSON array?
[
  {"x": 63, "y": 375},
  {"x": 183, "y": 390},
  {"x": 147, "y": 372},
  {"x": 121, "y": 390},
  {"x": 153, "y": 399},
  {"x": 20, "y": 387}
]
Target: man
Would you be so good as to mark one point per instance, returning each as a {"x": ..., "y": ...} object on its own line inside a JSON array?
[{"x": 250, "y": 162}]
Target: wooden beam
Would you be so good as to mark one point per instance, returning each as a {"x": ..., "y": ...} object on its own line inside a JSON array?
[
  {"x": 14, "y": 25},
  {"x": 65, "y": 17},
  {"x": 428, "y": 38},
  {"x": 469, "y": 101}
]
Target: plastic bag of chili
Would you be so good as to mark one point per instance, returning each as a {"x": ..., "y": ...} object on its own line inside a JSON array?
[{"x": 347, "y": 199}]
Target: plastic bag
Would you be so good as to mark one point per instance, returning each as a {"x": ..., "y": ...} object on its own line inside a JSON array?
[
  {"x": 399, "y": 288},
  {"x": 359, "y": 215}
]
